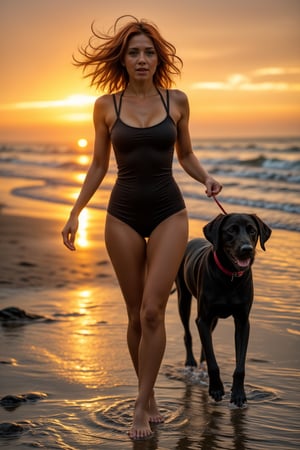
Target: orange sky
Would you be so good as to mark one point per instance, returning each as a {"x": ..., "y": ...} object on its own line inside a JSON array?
[{"x": 241, "y": 64}]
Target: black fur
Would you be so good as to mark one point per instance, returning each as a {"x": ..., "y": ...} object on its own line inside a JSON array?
[{"x": 222, "y": 290}]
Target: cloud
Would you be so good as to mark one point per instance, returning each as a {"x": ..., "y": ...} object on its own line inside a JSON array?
[
  {"x": 240, "y": 82},
  {"x": 77, "y": 100},
  {"x": 273, "y": 71}
]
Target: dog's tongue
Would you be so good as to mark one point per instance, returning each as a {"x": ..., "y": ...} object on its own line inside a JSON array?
[{"x": 243, "y": 262}]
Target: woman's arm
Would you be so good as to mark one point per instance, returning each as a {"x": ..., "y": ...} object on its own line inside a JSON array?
[
  {"x": 186, "y": 156},
  {"x": 95, "y": 173}
]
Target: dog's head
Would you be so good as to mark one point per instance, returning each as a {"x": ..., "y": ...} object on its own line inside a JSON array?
[{"x": 236, "y": 235}]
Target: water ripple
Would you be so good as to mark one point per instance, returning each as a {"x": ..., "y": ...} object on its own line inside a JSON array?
[
  {"x": 114, "y": 420},
  {"x": 198, "y": 376},
  {"x": 190, "y": 375}
]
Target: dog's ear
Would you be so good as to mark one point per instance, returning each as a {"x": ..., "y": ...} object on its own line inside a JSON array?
[
  {"x": 212, "y": 230},
  {"x": 263, "y": 229}
]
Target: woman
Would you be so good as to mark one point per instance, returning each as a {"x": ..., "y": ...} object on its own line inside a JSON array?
[{"x": 146, "y": 228}]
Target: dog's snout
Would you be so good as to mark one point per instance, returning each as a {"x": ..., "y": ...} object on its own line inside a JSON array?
[{"x": 246, "y": 248}]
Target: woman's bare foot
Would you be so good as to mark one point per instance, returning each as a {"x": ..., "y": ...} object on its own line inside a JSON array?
[
  {"x": 140, "y": 428},
  {"x": 154, "y": 414}
]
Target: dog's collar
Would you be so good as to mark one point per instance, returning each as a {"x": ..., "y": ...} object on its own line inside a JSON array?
[{"x": 227, "y": 272}]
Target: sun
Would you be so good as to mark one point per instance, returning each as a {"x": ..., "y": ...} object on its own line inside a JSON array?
[{"x": 82, "y": 142}]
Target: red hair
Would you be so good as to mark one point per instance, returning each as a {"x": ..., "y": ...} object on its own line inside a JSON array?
[{"x": 104, "y": 53}]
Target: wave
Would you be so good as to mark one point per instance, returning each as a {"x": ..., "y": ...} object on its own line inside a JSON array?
[
  {"x": 286, "y": 145},
  {"x": 257, "y": 168},
  {"x": 261, "y": 174},
  {"x": 275, "y": 206},
  {"x": 262, "y": 145},
  {"x": 197, "y": 210},
  {"x": 70, "y": 165},
  {"x": 41, "y": 149},
  {"x": 257, "y": 174},
  {"x": 258, "y": 161},
  {"x": 274, "y": 163}
]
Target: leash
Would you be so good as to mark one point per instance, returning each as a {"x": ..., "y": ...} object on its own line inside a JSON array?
[
  {"x": 219, "y": 204},
  {"x": 217, "y": 261}
]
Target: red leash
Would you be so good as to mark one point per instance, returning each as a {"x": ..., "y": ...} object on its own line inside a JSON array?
[
  {"x": 217, "y": 261},
  {"x": 219, "y": 204}
]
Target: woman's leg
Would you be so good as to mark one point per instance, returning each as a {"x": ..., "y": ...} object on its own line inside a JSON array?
[
  {"x": 127, "y": 251},
  {"x": 165, "y": 250},
  {"x": 146, "y": 278}
]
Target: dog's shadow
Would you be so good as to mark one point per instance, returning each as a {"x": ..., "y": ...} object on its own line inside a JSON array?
[{"x": 209, "y": 424}]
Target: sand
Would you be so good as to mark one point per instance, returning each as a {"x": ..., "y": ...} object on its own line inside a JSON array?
[{"x": 36, "y": 257}]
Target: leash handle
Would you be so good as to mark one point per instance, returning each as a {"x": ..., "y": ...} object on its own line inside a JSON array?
[{"x": 219, "y": 204}]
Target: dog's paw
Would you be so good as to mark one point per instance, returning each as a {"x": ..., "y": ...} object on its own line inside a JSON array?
[
  {"x": 216, "y": 388},
  {"x": 238, "y": 398},
  {"x": 216, "y": 391},
  {"x": 217, "y": 395}
]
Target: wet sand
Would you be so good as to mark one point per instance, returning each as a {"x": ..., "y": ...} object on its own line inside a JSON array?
[{"x": 66, "y": 379}]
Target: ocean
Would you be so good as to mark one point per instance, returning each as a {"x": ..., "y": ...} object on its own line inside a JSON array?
[{"x": 258, "y": 175}]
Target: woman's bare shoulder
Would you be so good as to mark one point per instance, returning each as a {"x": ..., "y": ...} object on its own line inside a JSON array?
[
  {"x": 178, "y": 95},
  {"x": 180, "y": 101},
  {"x": 103, "y": 101},
  {"x": 104, "y": 109}
]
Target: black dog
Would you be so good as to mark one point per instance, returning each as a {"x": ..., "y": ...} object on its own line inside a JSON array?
[{"x": 218, "y": 274}]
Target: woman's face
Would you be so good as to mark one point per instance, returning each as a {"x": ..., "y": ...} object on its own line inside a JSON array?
[{"x": 140, "y": 58}]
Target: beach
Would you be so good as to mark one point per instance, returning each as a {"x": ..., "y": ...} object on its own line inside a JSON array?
[{"x": 68, "y": 371}]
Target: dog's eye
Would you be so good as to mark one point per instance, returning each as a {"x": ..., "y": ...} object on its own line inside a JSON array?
[
  {"x": 251, "y": 230},
  {"x": 233, "y": 229}
]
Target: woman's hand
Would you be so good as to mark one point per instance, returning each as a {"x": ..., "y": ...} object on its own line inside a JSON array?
[
  {"x": 213, "y": 187},
  {"x": 69, "y": 232}
]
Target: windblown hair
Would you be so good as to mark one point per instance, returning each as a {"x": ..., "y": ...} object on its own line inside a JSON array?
[{"x": 104, "y": 54}]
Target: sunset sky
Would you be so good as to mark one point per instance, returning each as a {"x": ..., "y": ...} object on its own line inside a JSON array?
[{"x": 241, "y": 64}]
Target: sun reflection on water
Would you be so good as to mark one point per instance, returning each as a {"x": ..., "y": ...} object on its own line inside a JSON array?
[
  {"x": 80, "y": 177},
  {"x": 83, "y": 340},
  {"x": 82, "y": 234},
  {"x": 92, "y": 324},
  {"x": 82, "y": 142},
  {"x": 83, "y": 160}
]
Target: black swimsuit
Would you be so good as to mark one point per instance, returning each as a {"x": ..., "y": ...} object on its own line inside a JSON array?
[{"x": 145, "y": 192}]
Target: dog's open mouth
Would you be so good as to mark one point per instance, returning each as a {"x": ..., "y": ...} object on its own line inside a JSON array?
[{"x": 242, "y": 263}]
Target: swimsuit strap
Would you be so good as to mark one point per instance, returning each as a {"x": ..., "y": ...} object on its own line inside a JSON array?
[
  {"x": 118, "y": 109},
  {"x": 166, "y": 105}
]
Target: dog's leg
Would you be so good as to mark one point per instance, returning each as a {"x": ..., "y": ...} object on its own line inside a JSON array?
[
  {"x": 216, "y": 389},
  {"x": 202, "y": 354},
  {"x": 242, "y": 330},
  {"x": 184, "y": 307}
]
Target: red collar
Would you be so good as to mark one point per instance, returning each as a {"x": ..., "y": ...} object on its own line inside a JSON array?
[{"x": 227, "y": 272}]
